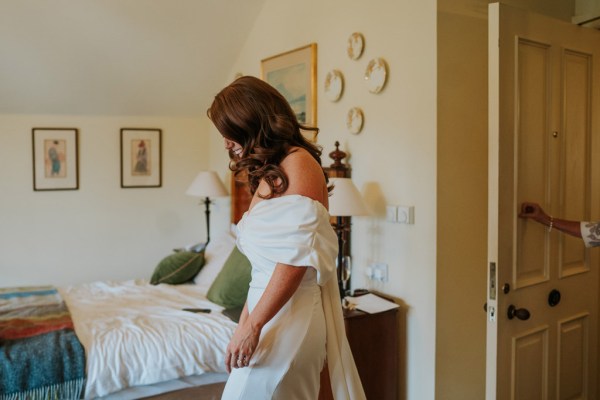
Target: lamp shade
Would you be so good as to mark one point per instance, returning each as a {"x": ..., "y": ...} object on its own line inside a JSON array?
[
  {"x": 207, "y": 184},
  {"x": 345, "y": 200}
]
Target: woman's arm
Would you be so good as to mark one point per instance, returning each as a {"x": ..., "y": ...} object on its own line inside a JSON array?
[
  {"x": 282, "y": 285},
  {"x": 535, "y": 212},
  {"x": 244, "y": 314}
]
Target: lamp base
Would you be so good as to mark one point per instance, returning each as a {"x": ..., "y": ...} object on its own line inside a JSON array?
[
  {"x": 207, "y": 212},
  {"x": 345, "y": 269}
]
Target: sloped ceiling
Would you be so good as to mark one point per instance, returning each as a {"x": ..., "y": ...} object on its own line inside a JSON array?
[{"x": 118, "y": 57}]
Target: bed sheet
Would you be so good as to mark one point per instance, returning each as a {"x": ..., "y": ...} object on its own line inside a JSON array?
[{"x": 136, "y": 334}]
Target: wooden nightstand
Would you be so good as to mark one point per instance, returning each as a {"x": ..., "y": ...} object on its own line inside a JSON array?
[{"x": 373, "y": 339}]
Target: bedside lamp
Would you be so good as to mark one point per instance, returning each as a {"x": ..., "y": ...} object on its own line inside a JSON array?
[
  {"x": 345, "y": 201},
  {"x": 207, "y": 184}
]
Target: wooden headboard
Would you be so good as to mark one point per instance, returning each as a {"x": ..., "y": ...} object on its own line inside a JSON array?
[
  {"x": 240, "y": 195},
  {"x": 240, "y": 198}
]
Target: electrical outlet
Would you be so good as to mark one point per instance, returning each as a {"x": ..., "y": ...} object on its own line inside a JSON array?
[{"x": 379, "y": 272}]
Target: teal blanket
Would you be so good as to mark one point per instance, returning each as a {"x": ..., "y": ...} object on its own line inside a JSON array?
[{"x": 40, "y": 355}]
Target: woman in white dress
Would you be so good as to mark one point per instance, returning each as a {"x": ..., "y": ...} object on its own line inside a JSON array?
[
  {"x": 588, "y": 231},
  {"x": 292, "y": 321}
]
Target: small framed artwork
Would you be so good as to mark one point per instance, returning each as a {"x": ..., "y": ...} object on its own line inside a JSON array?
[
  {"x": 55, "y": 159},
  {"x": 141, "y": 158},
  {"x": 294, "y": 74}
]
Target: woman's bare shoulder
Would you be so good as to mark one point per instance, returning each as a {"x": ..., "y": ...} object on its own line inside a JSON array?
[
  {"x": 297, "y": 155},
  {"x": 305, "y": 174}
]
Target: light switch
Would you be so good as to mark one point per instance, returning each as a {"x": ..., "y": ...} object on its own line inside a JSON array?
[
  {"x": 405, "y": 214},
  {"x": 391, "y": 213}
]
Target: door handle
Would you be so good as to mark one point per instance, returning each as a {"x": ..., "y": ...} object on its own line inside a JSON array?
[{"x": 521, "y": 313}]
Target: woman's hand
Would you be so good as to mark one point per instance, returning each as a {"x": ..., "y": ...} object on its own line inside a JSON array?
[
  {"x": 535, "y": 212},
  {"x": 242, "y": 345},
  {"x": 282, "y": 285}
]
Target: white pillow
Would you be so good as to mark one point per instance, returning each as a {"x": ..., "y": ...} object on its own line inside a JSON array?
[{"x": 216, "y": 253}]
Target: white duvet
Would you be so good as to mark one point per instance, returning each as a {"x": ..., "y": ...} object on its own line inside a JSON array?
[{"x": 135, "y": 333}]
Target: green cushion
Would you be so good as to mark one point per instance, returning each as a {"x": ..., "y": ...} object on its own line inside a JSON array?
[
  {"x": 230, "y": 287},
  {"x": 233, "y": 314},
  {"x": 176, "y": 268}
]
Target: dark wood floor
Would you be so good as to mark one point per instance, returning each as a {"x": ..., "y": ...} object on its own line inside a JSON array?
[{"x": 206, "y": 392}]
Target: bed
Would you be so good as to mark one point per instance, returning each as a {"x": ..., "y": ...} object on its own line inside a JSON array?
[
  {"x": 129, "y": 339},
  {"x": 139, "y": 340}
]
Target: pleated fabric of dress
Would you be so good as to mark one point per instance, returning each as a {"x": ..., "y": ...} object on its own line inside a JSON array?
[{"x": 286, "y": 365}]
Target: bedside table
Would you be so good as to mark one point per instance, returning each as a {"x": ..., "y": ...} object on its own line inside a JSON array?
[{"x": 373, "y": 339}]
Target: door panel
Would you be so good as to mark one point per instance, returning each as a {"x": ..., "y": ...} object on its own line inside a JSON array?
[
  {"x": 573, "y": 353},
  {"x": 542, "y": 144},
  {"x": 532, "y": 72},
  {"x": 530, "y": 365},
  {"x": 575, "y": 182}
]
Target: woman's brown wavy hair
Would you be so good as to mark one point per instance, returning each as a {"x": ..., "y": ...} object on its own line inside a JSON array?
[{"x": 255, "y": 115}]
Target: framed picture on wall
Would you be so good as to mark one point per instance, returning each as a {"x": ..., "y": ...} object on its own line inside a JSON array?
[
  {"x": 294, "y": 74},
  {"x": 141, "y": 158},
  {"x": 55, "y": 159}
]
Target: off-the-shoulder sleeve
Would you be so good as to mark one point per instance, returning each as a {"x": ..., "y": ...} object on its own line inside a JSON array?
[
  {"x": 590, "y": 233},
  {"x": 293, "y": 230}
]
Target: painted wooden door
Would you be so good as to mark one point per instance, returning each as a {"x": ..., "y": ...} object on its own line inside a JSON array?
[{"x": 544, "y": 103}]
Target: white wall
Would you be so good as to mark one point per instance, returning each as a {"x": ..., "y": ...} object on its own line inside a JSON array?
[
  {"x": 393, "y": 159},
  {"x": 100, "y": 231}
]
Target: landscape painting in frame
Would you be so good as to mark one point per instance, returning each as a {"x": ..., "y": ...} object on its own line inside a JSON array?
[
  {"x": 294, "y": 74},
  {"x": 141, "y": 164},
  {"x": 55, "y": 159}
]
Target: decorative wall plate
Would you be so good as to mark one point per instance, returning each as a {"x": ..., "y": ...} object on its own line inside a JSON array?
[
  {"x": 334, "y": 85},
  {"x": 376, "y": 75},
  {"x": 354, "y": 120},
  {"x": 356, "y": 44}
]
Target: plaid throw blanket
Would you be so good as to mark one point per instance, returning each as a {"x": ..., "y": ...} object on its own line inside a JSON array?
[{"x": 40, "y": 355}]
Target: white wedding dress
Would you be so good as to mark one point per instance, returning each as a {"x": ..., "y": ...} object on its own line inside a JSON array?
[{"x": 295, "y": 230}]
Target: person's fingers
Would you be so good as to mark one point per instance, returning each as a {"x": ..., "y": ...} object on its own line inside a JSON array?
[
  {"x": 227, "y": 362},
  {"x": 233, "y": 361},
  {"x": 527, "y": 209},
  {"x": 245, "y": 360},
  {"x": 239, "y": 361}
]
